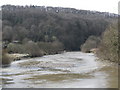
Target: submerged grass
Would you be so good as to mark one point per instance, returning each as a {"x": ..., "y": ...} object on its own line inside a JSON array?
[
  {"x": 29, "y": 63},
  {"x": 59, "y": 77},
  {"x": 45, "y": 64}
]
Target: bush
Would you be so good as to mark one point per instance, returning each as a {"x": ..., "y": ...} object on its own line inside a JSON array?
[
  {"x": 6, "y": 60},
  {"x": 36, "y": 49},
  {"x": 45, "y": 46},
  {"x": 51, "y": 47},
  {"x": 58, "y": 46},
  {"x": 91, "y": 42},
  {"x": 15, "y": 48},
  {"x": 108, "y": 49},
  {"x": 33, "y": 49}
]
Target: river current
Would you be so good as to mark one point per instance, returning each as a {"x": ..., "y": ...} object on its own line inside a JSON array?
[{"x": 66, "y": 70}]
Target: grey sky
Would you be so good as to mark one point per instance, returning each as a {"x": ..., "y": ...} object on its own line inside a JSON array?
[{"x": 97, "y": 5}]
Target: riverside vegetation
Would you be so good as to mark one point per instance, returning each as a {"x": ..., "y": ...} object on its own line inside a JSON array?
[
  {"x": 109, "y": 47},
  {"x": 39, "y": 30}
]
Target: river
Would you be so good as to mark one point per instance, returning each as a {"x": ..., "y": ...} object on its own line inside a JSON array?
[{"x": 66, "y": 70}]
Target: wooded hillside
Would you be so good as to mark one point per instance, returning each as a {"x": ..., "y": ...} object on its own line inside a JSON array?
[{"x": 69, "y": 26}]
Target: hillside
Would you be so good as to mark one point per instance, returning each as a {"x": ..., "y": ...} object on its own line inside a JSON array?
[{"x": 69, "y": 26}]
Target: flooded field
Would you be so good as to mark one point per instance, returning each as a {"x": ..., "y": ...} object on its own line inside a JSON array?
[{"x": 66, "y": 70}]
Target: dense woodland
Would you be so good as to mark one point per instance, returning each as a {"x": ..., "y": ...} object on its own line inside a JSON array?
[
  {"x": 46, "y": 24},
  {"x": 42, "y": 30}
]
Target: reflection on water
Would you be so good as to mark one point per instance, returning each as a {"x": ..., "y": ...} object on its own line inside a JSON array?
[{"x": 67, "y": 70}]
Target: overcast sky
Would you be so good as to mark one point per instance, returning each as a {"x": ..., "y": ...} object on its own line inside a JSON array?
[{"x": 97, "y": 5}]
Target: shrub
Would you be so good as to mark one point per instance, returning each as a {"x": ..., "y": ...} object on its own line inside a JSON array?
[
  {"x": 91, "y": 42},
  {"x": 33, "y": 49},
  {"x": 58, "y": 46},
  {"x": 45, "y": 46},
  {"x": 36, "y": 49},
  {"x": 51, "y": 47},
  {"x": 108, "y": 49},
  {"x": 6, "y": 60},
  {"x": 15, "y": 48}
]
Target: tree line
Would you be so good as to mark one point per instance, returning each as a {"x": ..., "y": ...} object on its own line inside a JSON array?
[{"x": 71, "y": 29}]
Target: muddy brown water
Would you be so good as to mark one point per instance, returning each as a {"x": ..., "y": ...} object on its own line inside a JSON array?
[{"x": 66, "y": 70}]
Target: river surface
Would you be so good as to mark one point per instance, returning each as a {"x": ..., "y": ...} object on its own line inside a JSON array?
[{"x": 66, "y": 70}]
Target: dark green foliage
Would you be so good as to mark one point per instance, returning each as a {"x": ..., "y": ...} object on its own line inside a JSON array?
[{"x": 47, "y": 24}]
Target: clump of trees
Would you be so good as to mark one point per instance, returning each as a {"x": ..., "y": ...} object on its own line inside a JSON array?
[
  {"x": 32, "y": 49},
  {"x": 91, "y": 43},
  {"x": 108, "y": 49},
  {"x": 35, "y": 49},
  {"x": 15, "y": 48},
  {"x": 51, "y": 48}
]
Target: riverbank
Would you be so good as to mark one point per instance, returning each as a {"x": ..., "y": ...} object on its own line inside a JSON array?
[
  {"x": 17, "y": 56},
  {"x": 9, "y": 58},
  {"x": 29, "y": 49}
]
